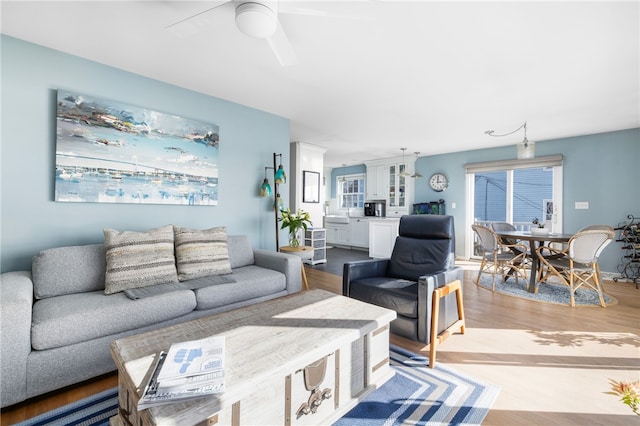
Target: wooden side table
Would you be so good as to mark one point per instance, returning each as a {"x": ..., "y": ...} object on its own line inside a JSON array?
[{"x": 305, "y": 252}]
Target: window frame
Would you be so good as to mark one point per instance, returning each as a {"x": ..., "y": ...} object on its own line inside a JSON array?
[
  {"x": 554, "y": 161},
  {"x": 361, "y": 191}
]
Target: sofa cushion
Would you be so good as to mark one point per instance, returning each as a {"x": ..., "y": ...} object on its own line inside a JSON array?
[
  {"x": 251, "y": 282},
  {"x": 139, "y": 259},
  {"x": 154, "y": 290},
  {"x": 67, "y": 270},
  {"x": 240, "y": 251},
  {"x": 201, "y": 252},
  {"x": 65, "y": 320}
]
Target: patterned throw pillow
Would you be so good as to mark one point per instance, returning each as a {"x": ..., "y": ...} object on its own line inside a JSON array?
[
  {"x": 201, "y": 252},
  {"x": 139, "y": 259}
]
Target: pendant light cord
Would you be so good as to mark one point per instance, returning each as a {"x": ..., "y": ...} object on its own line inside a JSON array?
[{"x": 492, "y": 132}]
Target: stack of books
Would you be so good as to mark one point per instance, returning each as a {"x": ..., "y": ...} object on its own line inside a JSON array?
[{"x": 188, "y": 370}]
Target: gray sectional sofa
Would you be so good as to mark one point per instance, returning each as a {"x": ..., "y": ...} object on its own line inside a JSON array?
[{"x": 57, "y": 323}]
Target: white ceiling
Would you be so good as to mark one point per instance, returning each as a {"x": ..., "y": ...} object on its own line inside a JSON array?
[{"x": 428, "y": 76}]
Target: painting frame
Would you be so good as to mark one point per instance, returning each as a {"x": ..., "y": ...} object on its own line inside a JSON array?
[
  {"x": 310, "y": 186},
  {"x": 113, "y": 152}
]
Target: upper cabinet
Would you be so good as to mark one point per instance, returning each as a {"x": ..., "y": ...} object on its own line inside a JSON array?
[
  {"x": 386, "y": 180},
  {"x": 377, "y": 182}
]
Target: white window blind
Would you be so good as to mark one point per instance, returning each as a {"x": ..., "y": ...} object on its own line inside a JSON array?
[{"x": 489, "y": 166}]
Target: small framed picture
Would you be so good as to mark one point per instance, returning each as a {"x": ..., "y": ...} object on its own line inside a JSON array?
[{"x": 310, "y": 187}]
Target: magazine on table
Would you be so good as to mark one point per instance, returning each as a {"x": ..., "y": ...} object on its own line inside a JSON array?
[{"x": 188, "y": 370}]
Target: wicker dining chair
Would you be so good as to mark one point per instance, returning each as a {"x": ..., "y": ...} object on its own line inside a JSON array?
[
  {"x": 577, "y": 263},
  {"x": 507, "y": 227},
  {"x": 498, "y": 257}
]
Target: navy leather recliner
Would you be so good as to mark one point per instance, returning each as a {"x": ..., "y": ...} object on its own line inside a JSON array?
[{"x": 423, "y": 259}]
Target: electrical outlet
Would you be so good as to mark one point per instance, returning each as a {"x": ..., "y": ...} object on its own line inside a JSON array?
[
  {"x": 453, "y": 205},
  {"x": 582, "y": 205}
]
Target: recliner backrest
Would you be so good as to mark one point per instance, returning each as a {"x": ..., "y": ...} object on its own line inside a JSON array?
[{"x": 425, "y": 245}]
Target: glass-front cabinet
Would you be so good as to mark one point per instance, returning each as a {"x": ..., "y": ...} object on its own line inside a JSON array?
[{"x": 397, "y": 186}]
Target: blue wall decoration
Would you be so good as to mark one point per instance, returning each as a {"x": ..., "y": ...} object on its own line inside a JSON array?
[{"x": 111, "y": 152}]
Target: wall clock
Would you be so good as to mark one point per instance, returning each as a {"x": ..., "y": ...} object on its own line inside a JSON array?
[{"x": 438, "y": 182}]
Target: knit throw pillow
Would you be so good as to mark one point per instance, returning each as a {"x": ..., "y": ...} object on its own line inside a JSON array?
[
  {"x": 139, "y": 259},
  {"x": 200, "y": 253}
]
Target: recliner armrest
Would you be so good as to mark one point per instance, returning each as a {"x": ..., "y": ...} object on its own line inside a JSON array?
[
  {"x": 448, "y": 307},
  {"x": 362, "y": 269}
]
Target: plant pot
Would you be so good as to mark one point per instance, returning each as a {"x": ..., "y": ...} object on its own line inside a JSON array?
[
  {"x": 295, "y": 238},
  {"x": 539, "y": 231}
]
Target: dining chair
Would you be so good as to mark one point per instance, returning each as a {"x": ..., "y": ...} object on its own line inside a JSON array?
[
  {"x": 577, "y": 263},
  {"x": 560, "y": 253},
  {"x": 498, "y": 256},
  {"x": 506, "y": 227},
  {"x": 598, "y": 227}
]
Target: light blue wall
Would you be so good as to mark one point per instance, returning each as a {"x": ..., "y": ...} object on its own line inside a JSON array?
[
  {"x": 347, "y": 170},
  {"x": 32, "y": 221},
  {"x": 602, "y": 169}
]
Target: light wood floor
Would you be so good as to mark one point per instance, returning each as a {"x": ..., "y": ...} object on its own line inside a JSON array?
[{"x": 552, "y": 363}]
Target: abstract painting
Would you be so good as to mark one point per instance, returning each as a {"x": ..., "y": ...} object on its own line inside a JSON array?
[{"x": 110, "y": 152}]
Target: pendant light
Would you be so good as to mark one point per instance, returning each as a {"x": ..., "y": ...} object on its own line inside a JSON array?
[
  {"x": 341, "y": 177},
  {"x": 280, "y": 176},
  {"x": 265, "y": 189},
  {"x": 524, "y": 150},
  {"x": 404, "y": 173},
  {"x": 416, "y": 174}
]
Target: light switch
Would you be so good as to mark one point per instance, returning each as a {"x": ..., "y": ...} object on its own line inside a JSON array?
[{"x": 582, "y": 205}]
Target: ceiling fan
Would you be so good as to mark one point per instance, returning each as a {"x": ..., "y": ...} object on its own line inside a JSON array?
[{"x": 258, "y": 19}]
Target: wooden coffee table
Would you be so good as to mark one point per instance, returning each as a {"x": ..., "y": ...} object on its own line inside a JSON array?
[{"x": 273, "y": 351}]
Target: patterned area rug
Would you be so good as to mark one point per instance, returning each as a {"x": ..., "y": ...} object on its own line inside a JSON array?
[
  {"x": 416, "y": 394},
  {"x": 547, "y": 292},
  {"x": 419, "y": 395}
]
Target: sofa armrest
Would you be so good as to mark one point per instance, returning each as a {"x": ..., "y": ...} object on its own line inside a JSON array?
[
  {"x": 16, "y": 301},
  {"x": 289, "y": 264},
  {"x": 448, "y": 313},
  {"x": 362, "y": 269}
]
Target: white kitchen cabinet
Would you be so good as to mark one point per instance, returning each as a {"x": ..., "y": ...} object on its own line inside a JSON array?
[
  {"x": 382, "y": 237},
  {"x": 385, "y": 183},
  {"x": 359, "y": 232},
  {"x": 337, "y": 233},
  {"x": 377, "y": 182}
]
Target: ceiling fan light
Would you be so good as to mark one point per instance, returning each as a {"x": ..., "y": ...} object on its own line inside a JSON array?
[{"x": 256, "y": 20}]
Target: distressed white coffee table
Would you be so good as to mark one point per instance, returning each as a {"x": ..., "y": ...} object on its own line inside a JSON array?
[{"x": 304, "y": 359}]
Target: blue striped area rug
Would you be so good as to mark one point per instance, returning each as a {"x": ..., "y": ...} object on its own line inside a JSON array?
[
  {"x": 419, "y": 395},
  {"x": 416, "y": 395}
]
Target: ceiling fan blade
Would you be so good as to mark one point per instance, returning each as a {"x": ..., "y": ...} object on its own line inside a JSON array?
[
  {"x": 195, "y": 23},
  {"x": 282, "y": 48}
]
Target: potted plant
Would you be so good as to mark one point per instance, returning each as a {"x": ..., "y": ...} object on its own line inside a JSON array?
[
  {"x": 294, "y": 223},
  {"x": 539, "y": 228},
  {"x": 629, "y": 393}
]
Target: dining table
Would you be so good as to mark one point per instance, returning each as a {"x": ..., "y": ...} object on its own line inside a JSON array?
[{"x": 535, "y": 241}]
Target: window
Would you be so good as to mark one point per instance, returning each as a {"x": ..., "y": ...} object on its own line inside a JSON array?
[
  {"x": 515, "y": 191},
  {"x": 350, "y": 191}
]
